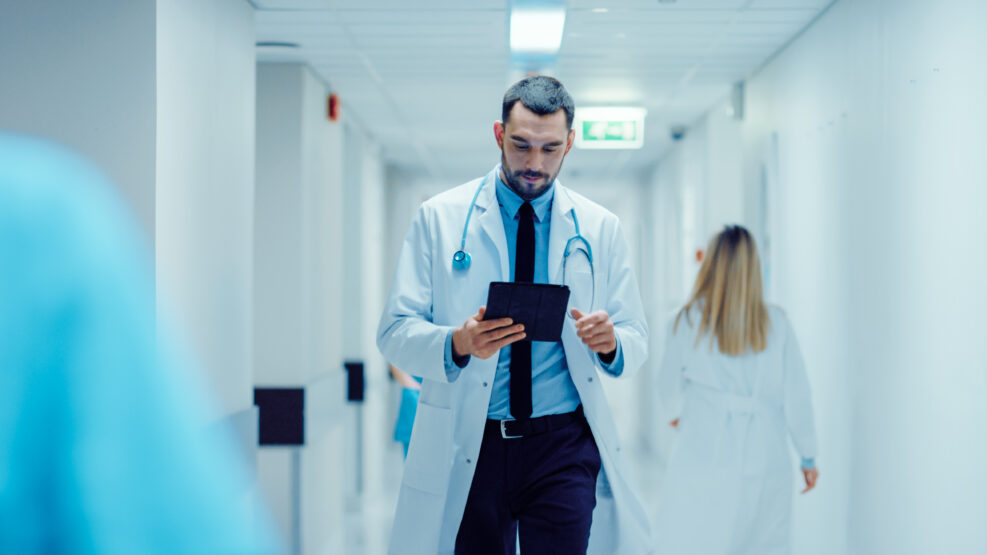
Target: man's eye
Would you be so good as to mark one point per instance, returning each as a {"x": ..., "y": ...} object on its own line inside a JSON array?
[
  {"x": 521, "y": 147},
  {"x": 549, "y": 150}
]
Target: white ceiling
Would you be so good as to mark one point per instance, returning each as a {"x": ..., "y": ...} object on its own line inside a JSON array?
[{"x": 425, "y": 79}]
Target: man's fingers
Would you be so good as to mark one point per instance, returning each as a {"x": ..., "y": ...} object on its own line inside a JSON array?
[
  {"x": 488, "y": 325},
  {"x": 501, "y": 343},
  {"x": 600, "y": 342},
  {"x": 591, "y": 319},
  {"x": 576, "y": 314},
  {"x": 500, "y": 333},
  {"x": 594, "y": 332},
  {"x": 480, "y": 313},
  {"x": 602, "y": 347}
]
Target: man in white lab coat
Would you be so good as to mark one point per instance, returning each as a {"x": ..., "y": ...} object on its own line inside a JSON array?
[{"x": 514, "y": 438}]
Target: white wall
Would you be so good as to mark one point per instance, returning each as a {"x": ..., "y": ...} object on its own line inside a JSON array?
[
  {"x": 278, "y": 304},
  {"x": 299, "y": 266},
  {"x": 205, "y": 185},
  {"x": 375, "y": 282},
  {"x": 159, "y": 95},
  {"x": 866, "y": 135},
  {"x": 364, "y": 207},
  {"x": 83, "y": 74},
  {"x": 365, "y": 221},
  {"x": 298, "y": 251}
]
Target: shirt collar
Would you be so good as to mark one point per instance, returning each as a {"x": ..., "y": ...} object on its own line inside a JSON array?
[{"x": 510, "y": 202}]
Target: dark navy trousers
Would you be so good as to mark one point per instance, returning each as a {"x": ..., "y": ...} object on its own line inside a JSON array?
[{"x": 541, "y": 489}]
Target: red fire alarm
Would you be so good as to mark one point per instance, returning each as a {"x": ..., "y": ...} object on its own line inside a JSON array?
[
  {"x": 699, "y": 255},
  {"x": 333, "y": 108}
]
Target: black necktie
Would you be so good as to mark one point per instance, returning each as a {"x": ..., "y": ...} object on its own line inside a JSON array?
[{"x": 524, "y": 270}]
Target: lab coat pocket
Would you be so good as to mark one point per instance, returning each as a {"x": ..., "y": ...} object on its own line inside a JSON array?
[{"x": 430, "y": 454}]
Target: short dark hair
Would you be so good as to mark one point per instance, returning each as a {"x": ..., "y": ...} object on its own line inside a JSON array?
[{"x": 542, "y": 95}]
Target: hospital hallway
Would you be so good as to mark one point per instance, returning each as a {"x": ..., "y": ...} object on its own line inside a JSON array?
[{"x": 269, "y": 157}]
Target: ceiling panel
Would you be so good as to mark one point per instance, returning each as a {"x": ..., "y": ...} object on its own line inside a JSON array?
[
  {"x": 727, "y": 5},
  {"x": 292, "y": 4},
  {"x": 799, "y": 16},
  {"x": 817, "y": 5},
  {"x": 425, "y": 78}
]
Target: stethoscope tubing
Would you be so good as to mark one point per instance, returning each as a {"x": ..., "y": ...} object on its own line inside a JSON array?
[{"x": 461, "y": 259}]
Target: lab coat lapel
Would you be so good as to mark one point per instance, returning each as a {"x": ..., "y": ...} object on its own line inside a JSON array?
[
  {"x": 492, "y": 223},
  {"x": 560, "y": 230}
]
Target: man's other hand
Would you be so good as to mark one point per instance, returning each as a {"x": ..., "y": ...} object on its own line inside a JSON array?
[{"x": 596, "y": 331}]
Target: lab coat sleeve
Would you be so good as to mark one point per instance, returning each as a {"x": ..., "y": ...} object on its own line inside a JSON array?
[
  {"x": 798, "y": 397},
  {"x": 671, "y": 372},
  {"x": 623, "y": 304},
  {"x": 406, "y": 335}
]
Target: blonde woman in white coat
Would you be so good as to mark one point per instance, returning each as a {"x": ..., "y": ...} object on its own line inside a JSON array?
[{"x": 735, "y": 388}]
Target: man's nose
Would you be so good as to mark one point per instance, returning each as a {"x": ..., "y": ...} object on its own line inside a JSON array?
[{"x": 534, "y": 162}]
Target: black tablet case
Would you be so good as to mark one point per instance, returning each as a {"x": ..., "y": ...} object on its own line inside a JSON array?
[{"x": 539, "y": 306}]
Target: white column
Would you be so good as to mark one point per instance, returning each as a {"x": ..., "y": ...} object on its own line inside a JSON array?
[
  {"x": 299, "y": 264},
  {"x": 205, "y": 185}
]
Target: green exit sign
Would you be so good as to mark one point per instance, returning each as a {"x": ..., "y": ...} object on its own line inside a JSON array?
[
  {"x": 610, "y": 128},
  {"x": 610, "y": 131}
]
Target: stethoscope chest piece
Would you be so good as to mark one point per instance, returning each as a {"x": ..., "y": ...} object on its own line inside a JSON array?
[{"x": 461, "y": 260}]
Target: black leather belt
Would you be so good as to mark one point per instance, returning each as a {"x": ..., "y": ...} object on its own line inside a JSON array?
[{"x": 513, "y": 429}]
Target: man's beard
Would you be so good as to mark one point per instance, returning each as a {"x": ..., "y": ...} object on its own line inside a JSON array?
[{"x": 513, "y": 180}]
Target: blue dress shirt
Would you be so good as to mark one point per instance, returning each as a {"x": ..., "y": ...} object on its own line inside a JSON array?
[{"x": 552, "y": 389}]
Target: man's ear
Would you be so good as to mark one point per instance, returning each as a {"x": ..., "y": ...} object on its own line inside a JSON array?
[
  {"x": 499, "y": 133},
  {"x": 570, "y": 140}
]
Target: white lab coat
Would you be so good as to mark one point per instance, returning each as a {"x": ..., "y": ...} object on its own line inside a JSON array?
[
  {"x": 728, "y": 484},
  {"x": 428, "y": 298}
]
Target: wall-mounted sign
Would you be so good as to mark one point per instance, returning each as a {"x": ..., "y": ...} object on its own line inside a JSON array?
[{"x": 609, "y": 128}]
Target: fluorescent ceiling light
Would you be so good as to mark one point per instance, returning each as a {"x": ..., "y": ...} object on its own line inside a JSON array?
[{"x": 537, "y": 30}]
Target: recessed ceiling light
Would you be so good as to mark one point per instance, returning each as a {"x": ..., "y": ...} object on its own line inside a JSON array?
[
  {"x": 621, "y": 35},
  {"x": 276, "y": 44},
  {"x": 537, "y": 30},
  {"x": 600, "y": 10}
]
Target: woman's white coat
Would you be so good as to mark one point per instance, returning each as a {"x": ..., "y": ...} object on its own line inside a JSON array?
[{"x": 728, "y": 484}]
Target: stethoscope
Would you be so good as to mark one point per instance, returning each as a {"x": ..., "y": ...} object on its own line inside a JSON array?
[{"x": 576, "y": 244}]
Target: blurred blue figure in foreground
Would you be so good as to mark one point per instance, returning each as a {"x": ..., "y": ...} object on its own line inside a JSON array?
[{"x": 105, "y": 445}]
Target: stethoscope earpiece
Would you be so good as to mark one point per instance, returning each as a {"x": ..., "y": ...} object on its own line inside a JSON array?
[{"x": 461, "y": 260}]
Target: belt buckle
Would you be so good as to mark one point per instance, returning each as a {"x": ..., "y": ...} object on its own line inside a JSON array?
[{"x": 503, "y": 430}]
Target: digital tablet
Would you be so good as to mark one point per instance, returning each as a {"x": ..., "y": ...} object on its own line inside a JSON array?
[{"x": 539, "y": 306}]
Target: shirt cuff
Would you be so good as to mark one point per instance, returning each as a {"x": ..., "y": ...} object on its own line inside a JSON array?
[
  {"x": 616, "y": 366},
  {"x": 808, "y": 463},
  {"x": 454, "y": 364}
]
